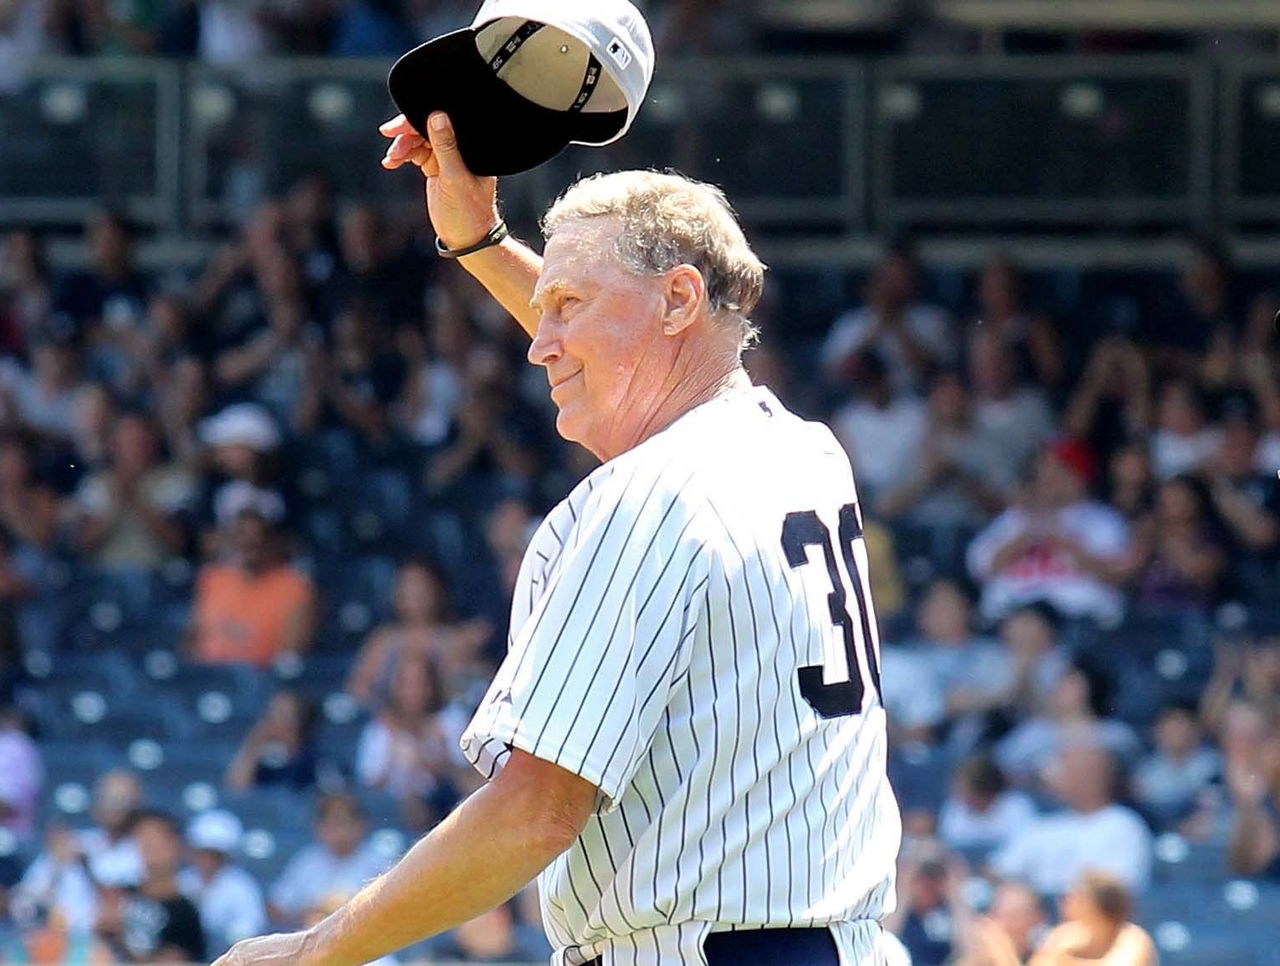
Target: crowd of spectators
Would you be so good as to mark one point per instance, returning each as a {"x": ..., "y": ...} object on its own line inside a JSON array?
[
  {"x": 1030, "y": 498},
  {"x": 238, "y": 31}
]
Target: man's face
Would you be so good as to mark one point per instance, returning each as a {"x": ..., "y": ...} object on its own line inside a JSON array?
[
  {"x": 1018, "y": 912},
  {"x": 599, "y": 338},
  {"x": 159, "y": 846},
  {"x": 116, "y": 795},
  {"x": 340, "y": 831}
]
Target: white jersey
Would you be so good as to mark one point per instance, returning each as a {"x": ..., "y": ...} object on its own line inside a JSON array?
[{"x": 692, "y": 633}]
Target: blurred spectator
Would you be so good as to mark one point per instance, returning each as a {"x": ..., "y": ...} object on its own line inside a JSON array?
[
  {"x": 153, "y": 921},
  {"x": 1030, "y": 635},
  {"x": 1010, "y": 931},
  {"x": 25, "y": 291},
  {"x": 1014, "y": 418},
  {"x": 272, "y": 364},
  {"x": 496, "y": 446},
  {"x": 1027, "y": 337},
  {"x": 1057, "y": 545},
  {"x": 495, "y": 936},
  {"x": 121, "y": 28},
  {"x": 958, "y": 477},
  {"x": 1112, "y": 401},
  {"x": 1096, "y": 927},
  {"x": 1183, "y": 438},
  {"x": 930, "y": 906},
  {"x": 181, "y": 399},
  {"x": 1075, "y": 711},
  {"x": 1204, "y": 302},
  {"x": 373, "y": 272},
  {"x": 433, "y": 387},
  {"x": 982, "y": 812},
  {"x": 1130, "y": 485},
  {"x": 243, "y": 437},
  {"x": 132, "y": 512},
  {"x": 44, "y": 399},
  {"x": 1247, "y": 670},
  {"x": 280, "y": 747},
  {"x": 974, "y": 672},
  {"x": 881, "y": 428},
  {"x": 228, "y": 898},
  {"x": 1246, "y": 499},
  {"x": 63, "y": 880},
  {"x": 309, "y": 231},
  {"x": 255, "y": 606},
  {"x": 338, "y": 861},
  {"x": 232, "y": 32},
  {"x": 1092, "y": 832},
  {"x": 1170, "y": 781},
  {"x": 422, "y": 627},
  {"x": 1251, "y": 749},
  {"x": 24, "y": 35},
  {"x": 913, "y": 337},
  {"x": 246, "y": 274},
  {"x": 111, "y": 292},
  {"x": 410, "y": 750},
  {"x": 21, "y": 774},
  {"x": 363, "y": 378},
  {"x": 1179, "y": 552}
]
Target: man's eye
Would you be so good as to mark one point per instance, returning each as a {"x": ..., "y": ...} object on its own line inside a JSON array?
[{"x": 569, "y": 300}]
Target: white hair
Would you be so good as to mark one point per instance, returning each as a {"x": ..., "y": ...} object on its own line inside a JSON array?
[{"x": 669, "y": 220}]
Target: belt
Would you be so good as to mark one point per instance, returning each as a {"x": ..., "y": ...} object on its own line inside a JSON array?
[{"x": 800, "y": 946}]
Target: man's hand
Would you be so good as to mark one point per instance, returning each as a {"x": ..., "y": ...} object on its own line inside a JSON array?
[
  {"x": 463, "y": 207},
  {"x": 281, "y": 949}
]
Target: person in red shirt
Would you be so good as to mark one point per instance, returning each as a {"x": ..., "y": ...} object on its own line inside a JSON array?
[{"x": 255, "y": 606}]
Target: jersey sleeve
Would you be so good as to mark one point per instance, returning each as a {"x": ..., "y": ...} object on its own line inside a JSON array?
[{"x": 586, "y": 679}]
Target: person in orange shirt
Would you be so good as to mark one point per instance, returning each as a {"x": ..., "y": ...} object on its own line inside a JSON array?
[{"x": 255, "y": 606}]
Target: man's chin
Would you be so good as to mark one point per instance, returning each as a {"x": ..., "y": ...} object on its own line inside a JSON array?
[{"x": 573, "y": 428}]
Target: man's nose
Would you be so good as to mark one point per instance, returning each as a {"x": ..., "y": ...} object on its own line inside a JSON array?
[{"x": 545, "y": 348}]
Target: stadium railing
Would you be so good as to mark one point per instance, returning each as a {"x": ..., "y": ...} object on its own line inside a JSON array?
[{"x": 822, "y": 147}]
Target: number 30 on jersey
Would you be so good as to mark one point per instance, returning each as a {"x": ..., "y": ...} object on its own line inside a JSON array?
[{"x": 800, "y": 531}]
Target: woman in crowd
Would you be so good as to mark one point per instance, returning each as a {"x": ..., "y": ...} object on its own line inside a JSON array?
[
  {"x": 422, "y": 627},
  {"x": 1075, "y": 711},
  {"x": 1179, "y": 553},
  {"x": 280, "y": 748},
  {"x": 410, "y": 750}
]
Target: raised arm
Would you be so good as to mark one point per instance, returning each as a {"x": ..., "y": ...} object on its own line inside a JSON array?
[{"x": 463, "y": 209}]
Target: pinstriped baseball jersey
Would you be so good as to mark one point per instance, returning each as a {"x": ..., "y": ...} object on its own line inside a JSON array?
[{"x": 692, "y": 633}]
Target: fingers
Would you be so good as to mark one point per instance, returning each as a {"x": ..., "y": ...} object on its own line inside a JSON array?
[
  {"x": 397, "y": 125},
  {"x": 445, "y": 145}
]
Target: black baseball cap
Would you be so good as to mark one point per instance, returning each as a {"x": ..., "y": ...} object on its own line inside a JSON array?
[{"x": 528, "y": 77}]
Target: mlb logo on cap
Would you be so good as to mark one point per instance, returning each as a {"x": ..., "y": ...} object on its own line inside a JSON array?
[{"x": 529, "y": 77}]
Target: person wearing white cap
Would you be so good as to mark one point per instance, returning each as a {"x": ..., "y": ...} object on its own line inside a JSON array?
[{"x": 230, "y": 901}]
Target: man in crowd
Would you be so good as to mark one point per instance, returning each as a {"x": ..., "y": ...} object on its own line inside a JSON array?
[
  {"x": 153, "y": 922},
  {"x": 256, "y": 606},
  {"x": 229, "y": 900},
  {"x": 339, "y": 861},
  {"x": 1057, "y": 545},
  {"x": 1093, "y": 831}
]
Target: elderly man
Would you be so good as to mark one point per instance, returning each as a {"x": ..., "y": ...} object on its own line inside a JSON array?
[
  {"x": 686, "y": 739},
  {"x": 1092, "y": 831}
]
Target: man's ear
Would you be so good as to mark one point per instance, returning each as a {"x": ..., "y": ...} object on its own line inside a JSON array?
[{"x": 686, "y": 299}]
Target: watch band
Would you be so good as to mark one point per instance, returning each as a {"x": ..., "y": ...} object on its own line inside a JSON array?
[{"x": 495, "y": 236}]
